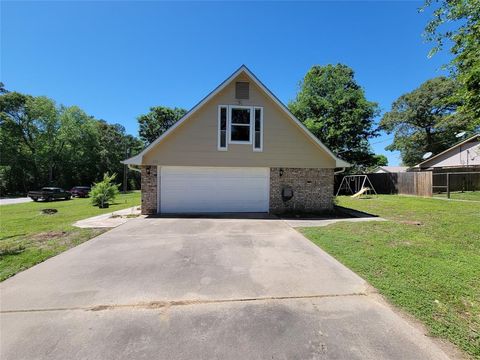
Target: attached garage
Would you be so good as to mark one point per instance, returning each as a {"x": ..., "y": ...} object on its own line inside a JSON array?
[
  {"x": 213, "y": 189},
  {"x": 238, "y": 150}
]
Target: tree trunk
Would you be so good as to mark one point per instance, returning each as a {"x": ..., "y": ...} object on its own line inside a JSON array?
[
  {"x": 50, "y": 174},
  {"x": 428, "y": 132}
]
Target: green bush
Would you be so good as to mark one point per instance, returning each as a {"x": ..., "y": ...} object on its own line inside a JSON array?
[{"x": 104, "y": 192}]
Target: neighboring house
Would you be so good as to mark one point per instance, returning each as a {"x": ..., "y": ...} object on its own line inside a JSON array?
[
  {"x": 238, "y": 150},
  {"x": 390, "y": 169},
  {"x": 463, "y": 154}
]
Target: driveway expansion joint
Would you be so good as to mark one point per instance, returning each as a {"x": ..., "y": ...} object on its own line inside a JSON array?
[{"x": 170, "y": 303}]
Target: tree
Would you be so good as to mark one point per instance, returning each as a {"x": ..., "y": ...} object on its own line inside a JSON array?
[
  {"x": 45, "y": 144},
  {"x": 157, "y": 121},
  {"x": 78, "y": 139},
  {"x": 2, "y": 88},
  {"x": 380, "y": 160},
  {"x": 115, "y": 145},
  {"x": 28, "y": 125},
  {"x": 334, "y": 108},
  {"x": 457, "y": 23},
  {"x": 424, "y": 120},
  {"x": 103, "y": 192}
]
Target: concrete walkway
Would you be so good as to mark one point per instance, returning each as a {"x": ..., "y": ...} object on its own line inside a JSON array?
[
  {"x": 159, "y": 288},
  {"x": 109, "y": 220}
]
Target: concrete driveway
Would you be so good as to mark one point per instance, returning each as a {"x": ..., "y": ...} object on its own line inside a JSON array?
[{"x": 200, "y": 289}]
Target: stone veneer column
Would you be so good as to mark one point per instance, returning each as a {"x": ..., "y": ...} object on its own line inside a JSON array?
[
  {"x": 149, "y": 189},
  {"x": 312, "y": 190}
]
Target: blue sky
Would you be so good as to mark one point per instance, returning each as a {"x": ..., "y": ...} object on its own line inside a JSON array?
[{"x": 117, "y": 59}]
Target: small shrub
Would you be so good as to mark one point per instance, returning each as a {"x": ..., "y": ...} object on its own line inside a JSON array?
[{"x": 104, "y": 192}]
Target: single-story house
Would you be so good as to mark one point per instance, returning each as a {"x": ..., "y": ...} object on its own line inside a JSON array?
[
  {"x": 464, "y": 154},
  {"x": 390, "y": 169},
  {"x": 238, "y": 150}
]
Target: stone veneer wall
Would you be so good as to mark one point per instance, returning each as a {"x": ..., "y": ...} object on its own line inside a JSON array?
[
  {"x": 149, "y": 189},
  {"x": 312, "y": 190}
]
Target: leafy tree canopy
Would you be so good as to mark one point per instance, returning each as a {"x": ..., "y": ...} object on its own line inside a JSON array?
[
  {"x": 381, "y": 160},
  {"x": 157, "y": 121},
  {"x": 334, "y": 108},
  {"x": 378, "y": 160},
  {"x": 424, "y": 120},
  {"x": 457, "y": 24},
  {"x": 45, "y": 144}
]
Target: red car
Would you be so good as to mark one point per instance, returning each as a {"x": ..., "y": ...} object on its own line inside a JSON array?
[{"x": 80, "y": 191}]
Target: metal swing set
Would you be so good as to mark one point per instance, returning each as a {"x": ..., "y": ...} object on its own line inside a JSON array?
[{"x": 357, "y": 185}]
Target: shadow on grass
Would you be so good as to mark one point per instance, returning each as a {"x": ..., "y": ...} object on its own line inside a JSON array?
[
  {"x": 12, "y": 236},
  {"x": 338, "y": 212}
]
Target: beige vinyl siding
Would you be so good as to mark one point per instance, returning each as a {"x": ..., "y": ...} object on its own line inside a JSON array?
[{"x": 194, "y": 143}]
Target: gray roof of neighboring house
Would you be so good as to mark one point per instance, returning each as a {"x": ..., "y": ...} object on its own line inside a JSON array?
[
  {"x": 449, "y": 149},
  {"x": 393, "y": 169}
]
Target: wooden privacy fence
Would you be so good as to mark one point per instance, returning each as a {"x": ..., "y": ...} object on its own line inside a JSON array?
[
  {"x": 448, "y": 181},
  {"x": 415, "y": 183},
  {"x": 409, "y": 183}
]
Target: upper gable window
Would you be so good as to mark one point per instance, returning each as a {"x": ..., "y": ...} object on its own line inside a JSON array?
[
  {"x": 222, "y": 127},
  {"x": 240, "y": 124},
  {"x": 242, "y": 90},
  {"x": 258, "y": 129}
]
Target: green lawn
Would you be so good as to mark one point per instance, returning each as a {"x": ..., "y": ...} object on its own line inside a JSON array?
[
  {"x": 457, "y": 195},
  {"x": 426, "y": 260},
  {"x": 28, "y": 237}
]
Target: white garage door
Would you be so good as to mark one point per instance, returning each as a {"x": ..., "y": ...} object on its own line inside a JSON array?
[{"x": 214, "y": 189}]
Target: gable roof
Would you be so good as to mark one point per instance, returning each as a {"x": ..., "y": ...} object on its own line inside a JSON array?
[
  {"x": 449, "y": 149},
  {"x": 137, "y": 159},
  {"x": 392, "y": 169}
]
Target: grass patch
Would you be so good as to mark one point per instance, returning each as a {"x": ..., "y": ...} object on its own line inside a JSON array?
[
  {"x": 458, "y": 195},
  {"x": 426, "y": 260},
  {"x": 29, "y": 236}
]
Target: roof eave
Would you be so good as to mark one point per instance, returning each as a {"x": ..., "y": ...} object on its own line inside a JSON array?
[
  {"x": 134, "y": 160},
  {"x": 341, "y": 163}
]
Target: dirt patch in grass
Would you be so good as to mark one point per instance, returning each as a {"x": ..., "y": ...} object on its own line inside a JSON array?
[
  {"x": 49, "y": 211},
  {"x": 411, "y": 222},
  {"x": 129, "y": 216},
  {"x": 44, "y": 236},
  {"x": 55, "y": 239}
]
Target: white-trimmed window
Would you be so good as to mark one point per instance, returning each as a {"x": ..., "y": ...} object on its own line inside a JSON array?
[
  {"x": 241, "y": 124},
  {"x": 222, "y": 127},
  {"x": 257, "y": 129}
]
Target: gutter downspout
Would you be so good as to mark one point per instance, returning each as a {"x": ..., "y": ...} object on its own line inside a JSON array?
[{"x": 130, "y": 167}]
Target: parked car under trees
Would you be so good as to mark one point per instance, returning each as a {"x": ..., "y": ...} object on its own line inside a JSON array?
[
  {"x": 80, "y": 191},
  {"x": 49, "y": 194}
]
